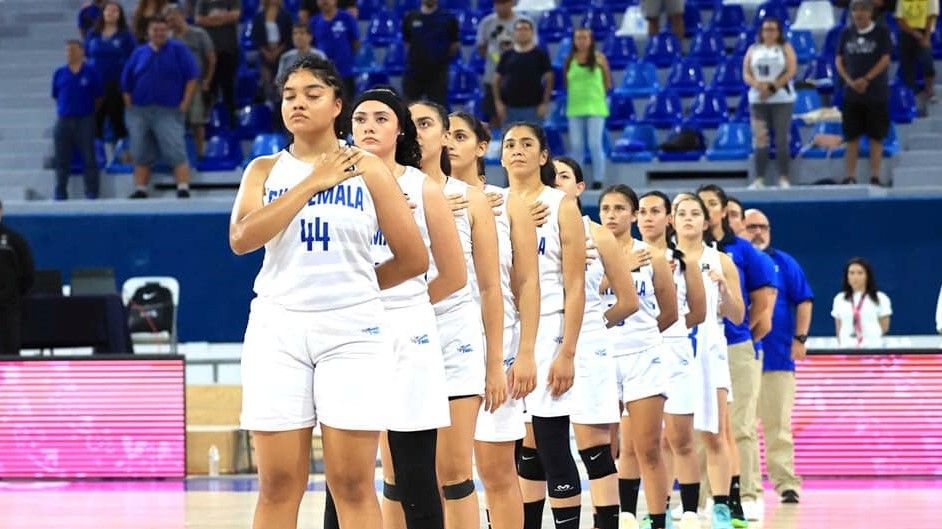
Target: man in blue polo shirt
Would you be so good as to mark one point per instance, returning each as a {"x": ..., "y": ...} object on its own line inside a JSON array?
[
  {"x": 781, "y": 347},
  {"x": 158, "y": 82},
  {"x": 77, "y": 89},
  {"x": 337, "y": 34},
  {"x": 431, "y": 35}
]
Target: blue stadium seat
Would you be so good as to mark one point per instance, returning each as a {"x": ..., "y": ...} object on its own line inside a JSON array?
[
  {"x": 637, "y": 143},
  {"x": 486, "y": 5},
  {"x": 557, "y": 119},
  {"x": 383, "y": 29},
  {"x": 746, "y": 38},
  {"x": 663, "y": 110},
  {"x": 936, "y": 40},
  {"x": 741, "y": 115},
  {"x": 902, "y": 103},
  {"x": 615, "y": 6},
  {"x": 806, "y": 100},
  {"x": 832, "y": 40},
  {"x": 468, "y": 26},
  {"x": 817, "y": 153},
  {"x": 662, "y": 49},
  {"x": 266, "y": 144},
  {"x": 364, "y": 60},
  {"x": 692, "y": 21},
  {"x": 555, "y": 140},
  {"x": 621, "y": 112},
  {"x": 462, "y": 84},
  {"x": 562, "y": 53},
  {"x": 292, "y": 6},
  {"x": 78, "y": 165},
  {"x": 619, "y": 51},
  {"x": 600, "y": 21},
  {"x": 394, "y": 63},
  {"x": 475, "y": 106},
  {"x": 728, "y": 76},
  {"x": 253, "y": 120},
  {"x": 683, "y": 156},
  {"x": 368, "y": 80},
  {"x": 803, "y": 42},
  {"x": 247, "y": 82},
  {"x": 728, "y": 19},
  {"x": 709, "y": 110},
  {"x": 401, "y": 7},
  {"x": 554, "y": 25},
  {"x": 701, "y": 4},
  {"x": 218, "y": 120},
  {"x": 476, "y": 63},
  {"x": 733, "y": 141},
  {"x": 121, "y": 152},
  {"x": 245, "y": 38},
  {"x": 891, "y": 145},
  {"x": 775, "y": 9},
  {"x": 575, "y": 7},
  {"x": 821, "y": 72},
  {"x": 367, "y": 8},
  {"x": 220, "y": 154},
  {"x": 639, "y": 80},
  {"x": 249, "y": 9},
  {"x": 707, "y": 47},
  {"x": 686, "y": 78}
]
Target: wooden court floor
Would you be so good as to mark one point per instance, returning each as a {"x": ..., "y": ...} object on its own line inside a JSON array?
[{"x": 228, "y": 503}]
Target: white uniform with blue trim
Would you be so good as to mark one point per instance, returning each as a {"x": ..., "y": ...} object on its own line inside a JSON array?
[
  {"x": 709, "y": 343},
  {"x": 680, "y": 363},
  {"x": 418, "y": 399},
  {"x": 317, "y": 346}
]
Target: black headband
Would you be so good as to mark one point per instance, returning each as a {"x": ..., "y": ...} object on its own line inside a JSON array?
[{"x": 388, "y": 97}]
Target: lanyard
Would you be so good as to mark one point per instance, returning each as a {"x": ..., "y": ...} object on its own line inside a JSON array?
[{"x": 858, "y": 328}]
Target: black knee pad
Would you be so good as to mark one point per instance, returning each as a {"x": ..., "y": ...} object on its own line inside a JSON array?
[
  {"x": 413, "y": 457},
  {"x": 598, "y": 461},
  {"x": 391, "y": 492},
  {"x": 552, "y": 443},
  {"x": 529, "y": 465},
  {"x": 458, "y": 490}
]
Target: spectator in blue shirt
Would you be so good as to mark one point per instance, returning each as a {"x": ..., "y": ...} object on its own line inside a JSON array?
[
  {"x": 337, "y": 34},
  {"x": 77, "y": 89},
  {"x": 88, "y": 16},
  {"x": 159, "y": 82},
  {"x": 108, "y": 47},
  {"x": 784, "y": 344},
  {"x": 431, "y": 36},
  {"x": 757, "y": 279}
]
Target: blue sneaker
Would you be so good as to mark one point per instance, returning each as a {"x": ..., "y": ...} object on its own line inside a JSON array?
[
  {"x": 722, "y": 519},
  {"x": 645, "y": 522}
]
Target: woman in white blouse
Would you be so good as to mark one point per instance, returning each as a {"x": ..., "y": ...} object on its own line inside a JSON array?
[{"x": 861, "y": 312}]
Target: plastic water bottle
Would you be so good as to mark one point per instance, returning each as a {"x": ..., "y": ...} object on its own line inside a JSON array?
[{"x": 213, "y": 465}]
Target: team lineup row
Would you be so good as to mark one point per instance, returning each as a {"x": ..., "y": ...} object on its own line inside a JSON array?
[{"x": 472, "y": 324}]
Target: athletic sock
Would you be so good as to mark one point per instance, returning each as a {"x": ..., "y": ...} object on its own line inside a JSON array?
[
  {"x": 658, "y": 521},
  {"x": 533, "y": 514},
  {"x": 689, "y": 496},
  {"x": 721, "y": 500},
  {"x": 735, "y": 501},
  {"x": 330, "y": 511},
  {"x": 567, "y": 517},
  {"x": 628, "y": 494},
  {"x": 606, "y": 517}
]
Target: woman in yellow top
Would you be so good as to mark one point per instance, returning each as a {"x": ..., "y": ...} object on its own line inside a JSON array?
[{"x": 588, "y": 78}]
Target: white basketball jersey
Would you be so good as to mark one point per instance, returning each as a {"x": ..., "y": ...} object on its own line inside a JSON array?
[
  {"x": 463, "y": 223},
  {"x": 412, "y": 291},
  {"x": 711, "y": 329},
  {"x": 678, "y": 331},
  {"x": 594, "y": 319},
  {"x": 506, "y": 257},
  {"x": 550, "y": 255},
  {"x": 321, "y": 260},
  {"x": 639, "y": 332}
]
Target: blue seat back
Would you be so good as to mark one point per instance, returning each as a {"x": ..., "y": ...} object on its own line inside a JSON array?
[
  {"x": 621, "y": 111},
  {"x": 600, "y": 21},
  {"x": 468, "y": 21},
  {"x": 640, "y": 78},
  {"x": 383, "y": 28},
  {"x": 707, "y": 47},
  {"x": 395, "y": 60},
  {"x": 662, "y": 49},
  {"x": 806, "y": 100},
  {"x": 803, "y": 42},
  {"x": 686, "y": 78},
  {"x": 728, "y": 76},
  {"x": 554, "y": 25},
  {"x": 368, "y": 80},
  {"x": 733, "y": 136},
  {"x": 663, "y": 109},
  {"x": 619, "y": 51},
  {"x": 637, "y": 137},
  {"x": 771, "y": 9},
  {"x": 709, "y": 109},
  {"x": 746, "y": 38},
  {"x": 728, "y": 19},
  {"x": 365, "y": 59},
  {"x": 902, "y": 103}
]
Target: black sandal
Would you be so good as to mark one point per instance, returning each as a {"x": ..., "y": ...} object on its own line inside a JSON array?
[{"x": 849, "y": 181}]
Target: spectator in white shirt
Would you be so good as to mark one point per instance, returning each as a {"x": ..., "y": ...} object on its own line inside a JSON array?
[
  {"x": 938, "y": 313},
  {"x": 861, "y": 312}
]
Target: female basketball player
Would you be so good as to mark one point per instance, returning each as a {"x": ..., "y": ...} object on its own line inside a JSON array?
[
  {"x": 595, "y": 390},
  {"x": 654, "y": 217},
  {"x": 639, "y": 353},
  {"x": 723, "y": 300},
  {"x": 561, "y": 254},
  {"x": 317, "y": 346},
  {"x": 472, "y": 368},
  {"x": 496, "y": 433}
]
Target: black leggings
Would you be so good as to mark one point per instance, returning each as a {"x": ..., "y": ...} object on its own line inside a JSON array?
[{"x": 112, "y": 109}]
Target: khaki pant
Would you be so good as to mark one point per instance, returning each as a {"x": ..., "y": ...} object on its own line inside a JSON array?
[
  {"x": 745, "y": 370},
  {"x": 776, "y": 400}
]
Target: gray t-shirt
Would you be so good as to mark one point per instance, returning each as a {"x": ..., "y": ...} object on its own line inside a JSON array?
[
  {"x": 288, "y": 58},
  {"x": 497, "y": 35},
  {"x": 199, "y": 43}
]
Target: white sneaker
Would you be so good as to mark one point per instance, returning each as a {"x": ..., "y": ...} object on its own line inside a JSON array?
[
  {"x": 784, "y": 184},
  {"x": 756, "y": 184},
  {"x": 626, "y": 520},
  {"x": 689, "y": 520},
  {"x": 677, "y": 513},
  {"x": 753, "y": 509}
]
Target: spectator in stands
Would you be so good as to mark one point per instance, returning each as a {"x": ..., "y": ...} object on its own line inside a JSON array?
[
  {"x": 916, "y": 19},
  {"x": 201, "y": 46},
  {"x": 301, "y": 38},
  {"x": 220, "y": 18},
  {"x": 159, "y": 82},
  {"x": 938, "y": 313},
  {"x": 861, "y": 312},
  {"x": 108, "y": 47},
  {"x": 523, "y": 80},
  {"x": 308, "y": 9},
  {"x": 77, "y": 89},
  {"x": 863, "y": 56},
  {"x": 145, "y": 10},
  {"x": 431, "y": 37},
  {"x": 588, "y": 78},
  {"x": 785, "y": 343},
  {"x": 271, "y": 33},
  {"x": 337, "y": 34},
  {"x": 495, "y": 36},
  {"x": 89, "y": 15},
  {"x": 652, "y": 10},
  {"x": 16, "y": 279},
  {"x": 768, "y": 69}
]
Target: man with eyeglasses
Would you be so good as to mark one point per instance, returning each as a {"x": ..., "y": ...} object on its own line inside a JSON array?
[
  {"x": 495, "y": 36},
  {"x": 791, "y": 319}
]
